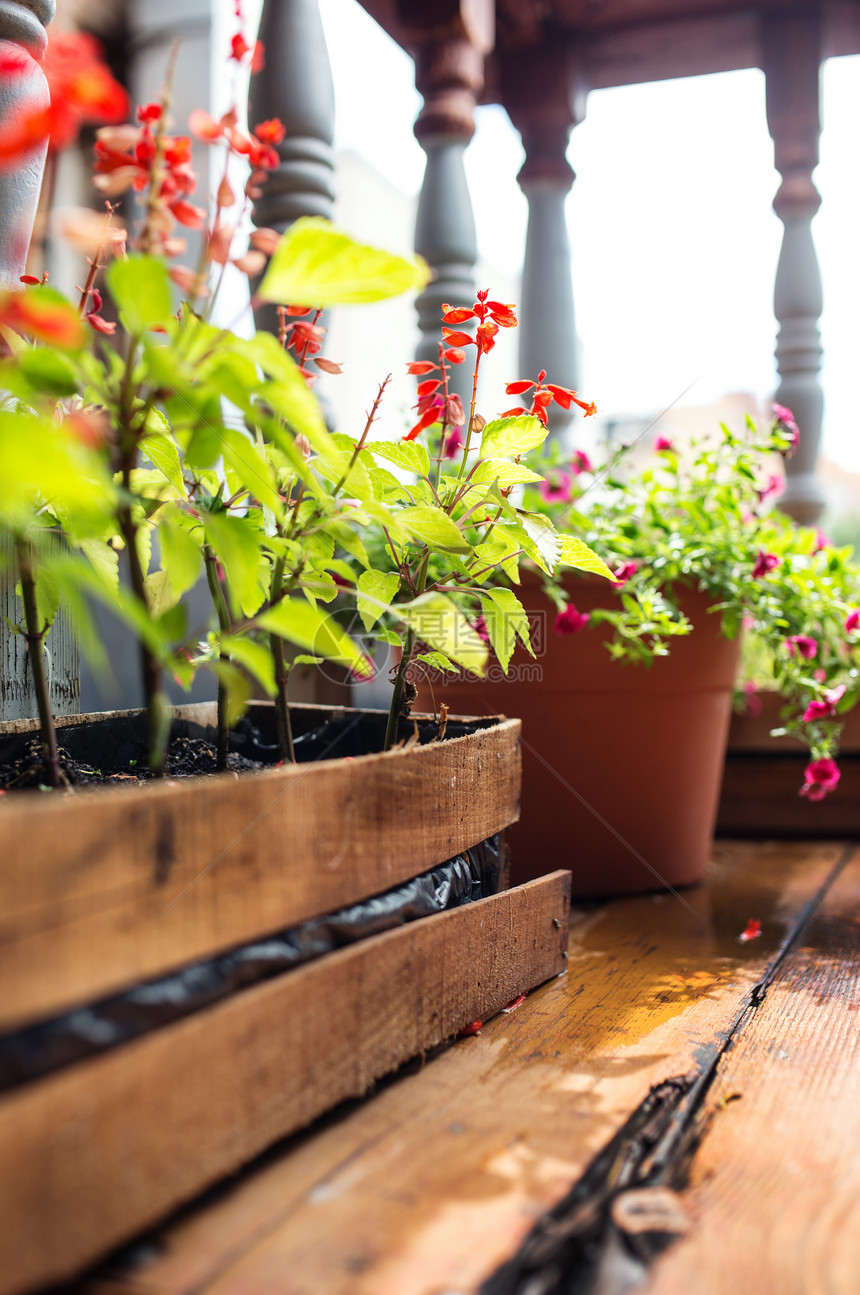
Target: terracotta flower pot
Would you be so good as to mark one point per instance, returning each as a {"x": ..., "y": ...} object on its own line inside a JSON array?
[{"x": 622, "y": 764}]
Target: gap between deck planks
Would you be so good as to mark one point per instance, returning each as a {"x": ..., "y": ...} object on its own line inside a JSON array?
[
  {"x": 437, "y": 1180},
  {"x": 775, "y": 1185}
]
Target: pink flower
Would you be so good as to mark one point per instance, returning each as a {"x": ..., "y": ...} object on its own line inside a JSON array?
[
  {"x": 570, "y": 621},
  {"x": 580, "y": 463},
  {"x": 803, "y": 645},
  {"x": 453, "y": 443},
  {"x": 662, "y": 445},
  {"x": 821, "y": 776},
  {"x": 821, "y": 542},
  {"x": 753, "y": 700},
  {"x": 785, "y": 419},
  {"x": 772, "y": 486},
  {"x": 625, "y": 571},
  {"x": 557, "y": 487},
  {"x": 852, "y": 620},
  {"x": 764, "y": 562},
  {"x": 825, "y": 708}
]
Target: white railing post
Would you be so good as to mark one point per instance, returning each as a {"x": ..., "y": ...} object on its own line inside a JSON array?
[{"x": 791, "y": 60}]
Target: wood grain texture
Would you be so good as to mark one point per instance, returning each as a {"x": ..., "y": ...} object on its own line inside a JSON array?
[
  {"x": 775, "y": 1186},
  {"x": 434, "y": 1182},
  {"x": 92, "y": 1154},
  {"x": 759, "y": 797},
  {"x": 110, "y": 887}
]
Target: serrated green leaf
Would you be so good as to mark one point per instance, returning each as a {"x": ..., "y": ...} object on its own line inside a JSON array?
[
  {"x": 433, "y": 527},
  {"x": 504, "y": 474},
  {"x": 255, "y": 658},
  {"x": 181, "y": 555},
  {"x": 316, "y": 264},
  {"x": 375, "y": 589},
  {"x": 251, "y": 466},
  {"x": 576, "y": 553},
  {"x": 237, "y": 545},
  {"x": 310, "y": 628},
  {"x": 506, "y": 622},
  {"x": 405, "y": 454},
  {"x": 439, "y": 623},
  {"x": 509, "y": 437},
  {"x": 338, "y": 466},
  {"x": 438, "y": 661},
  {"x": 48, "y": 370},
  {"x": 161, "y": 450}
]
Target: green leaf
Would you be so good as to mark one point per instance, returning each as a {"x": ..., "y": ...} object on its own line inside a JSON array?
[
  {"x": 162, "y": 451},
  {"x": 48, "y": 370},
  {"x": 237, "y": 545},
  {"x": 439, "y": 623},
  {"x": 180, "y": 554},
  {"x": 510, "y": 437},
  {"x": 506, "y": 621},
  {"x": 251, "y": 466},
  {"x": 336, "y": 466},
  {"x": 433, "y": 527},
  {"x": 316, "y": 264},
  {"x": 438, "y": 661},
  {"x": 310, "y": 628},
  {"x": 376, "y": 589},
  {"x": 104, "y": 560},
  {"x": 406, "y": 454},
  {"x": 256, "y": 659},
  {"x": 545, "y": 539},
  {"x": 576, "y": 553},
  {"x": 504, "y": 474},
  {"x": 141, "y": 289}
]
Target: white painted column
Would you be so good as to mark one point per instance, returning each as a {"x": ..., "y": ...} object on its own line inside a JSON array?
[{"x": 792, "y": 56}]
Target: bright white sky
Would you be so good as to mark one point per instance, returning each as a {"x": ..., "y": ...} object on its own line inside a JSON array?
[{"x": 674, "y": 240}]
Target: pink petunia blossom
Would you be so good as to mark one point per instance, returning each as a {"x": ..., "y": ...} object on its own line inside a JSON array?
[
  {"x": 785, "y": 418},
  {"x": 825, "y": 708},
  {"x": 772, "y": 486},
  {"x": 764, "y": 563},
  {"x": 821, "y": 542},
  {"x": 570, "y": 621},
  {"x": 802, "y": 645},
  {"x": 662, "y": 444},
  {"x": 852, "y": 620},
  {"x": 754, "y": 706},
  {"x": 557, "y": 487},
  {"x": 820, "y": 777},
  {"x": 580, "y": 463},
  {"x": 625, "y": 571}
]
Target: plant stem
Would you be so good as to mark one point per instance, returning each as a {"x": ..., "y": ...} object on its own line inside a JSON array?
[
  {"x": 155, "y": 698},
  {"x": 35, "y": 639},
  {"x": 282, "y": 676},
  {"x": 223, "y": 611},
  {"x": 399, "y": 685}
]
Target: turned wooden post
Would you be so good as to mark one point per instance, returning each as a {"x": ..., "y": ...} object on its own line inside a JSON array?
[
  {"x": 545, "y": 98},
  {"x": 791, "y": 61},
  {"x": 295, "y": 85},
  {"x": 450, "y": 46},
  {"x": 23, "y": 23}
]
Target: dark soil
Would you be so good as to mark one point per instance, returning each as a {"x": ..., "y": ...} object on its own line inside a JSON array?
[{"x": 186, "y": 757}]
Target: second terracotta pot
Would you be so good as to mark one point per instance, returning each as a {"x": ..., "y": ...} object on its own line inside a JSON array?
[{"x": 622, "y": 764}]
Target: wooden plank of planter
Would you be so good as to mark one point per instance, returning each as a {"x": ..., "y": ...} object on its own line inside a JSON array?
[
  {"x": 95, "y": 1153},
  {"x": 439, "y": 1179},
  {"x": 155, "y": 877},
  {"x": 775, "y": 1185}
]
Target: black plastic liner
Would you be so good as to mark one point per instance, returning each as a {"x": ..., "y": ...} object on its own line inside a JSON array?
[{"x": 40, "y": 1049}]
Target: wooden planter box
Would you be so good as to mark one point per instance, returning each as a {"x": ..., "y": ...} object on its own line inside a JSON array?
[{"x": 112, "y": 887}]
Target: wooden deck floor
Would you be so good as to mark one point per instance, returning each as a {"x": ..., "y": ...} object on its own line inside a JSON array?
[{"x": 679, "y": 1113}]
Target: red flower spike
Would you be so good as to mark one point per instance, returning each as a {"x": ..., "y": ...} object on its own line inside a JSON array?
[
  {"x": 270, "y": 132},
  {"x": 239, "y": 47},
  {"x": 517, "y": 388},
  {"x": 29, "y": 279},
  {"x": 204, "y": 126},
  {"x": 149, "y": 113},
  {"x": 453, "y": 338},
  {"x": 188, "y": 215},
  {"x": 502, "y": 314},
  {"x": 516, "y": 412},
  {"x": 485, "y": 337},
  {"x": 99, "y": 324},
  {"x": 327, "y": 366},
  {"x": 454, "y": 355},
  {"x": 54, "y": 322},
  {"x": 561, "y": 395},
  {"x": 419, "y": 367},
  {"x": 432, "y": 384},
  {"x": 431, "y": 416},
  {"x": 459, "y": 315}
]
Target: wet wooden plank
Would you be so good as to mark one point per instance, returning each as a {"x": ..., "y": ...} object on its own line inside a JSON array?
[
  {"x": 113, "y": 886},
  {"x": 436, "y": 1180},
  {"x": 96, "y": 1152},
  {"x": 775, "y": 1186}
]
